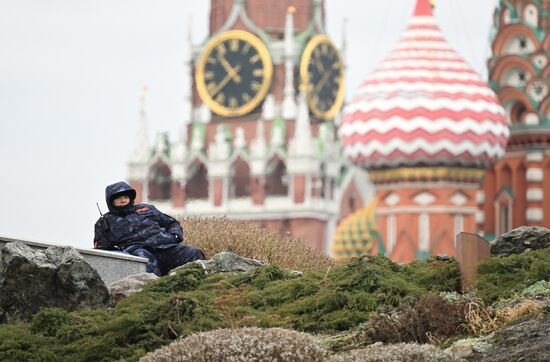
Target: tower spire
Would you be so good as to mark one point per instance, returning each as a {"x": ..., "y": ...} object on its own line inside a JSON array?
[
  {"x": 289, "y": 102},
  {"x": 188, "y": 74},
  {"x": 141, "y": 150},
  {"x": 344, "y": 48},
  {"x": 180, "y": 149}
]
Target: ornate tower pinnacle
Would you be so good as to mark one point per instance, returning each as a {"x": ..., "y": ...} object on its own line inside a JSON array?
[
  {"x": 302, "y": 142},
  {"x": 188, "y": 74},
  {"x": 289, "y": 103},
  {"x": 141, "y": 150},
  {"x": 344, "y": 48}
]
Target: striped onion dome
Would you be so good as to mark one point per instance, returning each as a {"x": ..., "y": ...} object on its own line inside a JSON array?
[
  {"x": 357, "y": 235},
  {"x": 424, "y": 106}
]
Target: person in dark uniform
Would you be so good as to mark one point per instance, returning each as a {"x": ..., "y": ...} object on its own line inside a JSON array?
[{"x": 142, "y": 230}]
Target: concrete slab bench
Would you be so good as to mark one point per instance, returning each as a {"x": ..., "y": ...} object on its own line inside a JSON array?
[{"x": 110, "y": 265}]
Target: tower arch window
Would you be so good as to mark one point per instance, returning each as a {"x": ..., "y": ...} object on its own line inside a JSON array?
[
  {"x": 519, "y": 45},
  {"x": 505, "y": 218},
  {"x": 197, "y": 181},
  {"x": 391, "y": 231},
  {"x": 505, "y": 179},
  {"x": 160, "y": 181},
  {"x": 424, "y": 232},
  {"x": 504, "y": 205},
  {"x": 332, "y": 188},
  {"x": 322, "y": 181},
  {"x": 239, "y": 179},
  {"x": 458, "y": 224},
  {"x": 276, "y": 182},
  {"x": 515, "y": 77},
  {"x": 515, "y": 111}
]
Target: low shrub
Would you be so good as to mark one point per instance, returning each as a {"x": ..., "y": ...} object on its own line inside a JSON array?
[
  {"x": 49, "y": 321},
  {"x": 244, "y": 238},
  {"x": 395, "y": 353},
  {"x": 337, "y": 298},
  {"x": 502, "y": 277},
  {"x": 430, "y": 320},
  {"x": 18, "y": 343},
  {"x": 434, "y": 275},
  {"x": 185, "y": 279},
  {"x": 245, "y": 344},
  {"x": 261, "y": 277}
]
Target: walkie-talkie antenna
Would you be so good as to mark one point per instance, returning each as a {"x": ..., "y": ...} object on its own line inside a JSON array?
[{"x": 98, "y": 209}]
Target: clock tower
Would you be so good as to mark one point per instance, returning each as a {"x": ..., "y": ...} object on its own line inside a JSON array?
[{"x": 260, "y": 143}]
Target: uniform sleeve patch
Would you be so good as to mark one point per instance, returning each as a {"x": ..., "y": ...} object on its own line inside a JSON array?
[{"x": 143, "y": 209}]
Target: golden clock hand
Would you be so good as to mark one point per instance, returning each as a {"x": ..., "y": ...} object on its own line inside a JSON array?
[
  {"x": 225, "y": 80},
  {"x": 230, "y": 69},
  {"x": 321, "y": 82},
  {"x": 319, "y": 66}
]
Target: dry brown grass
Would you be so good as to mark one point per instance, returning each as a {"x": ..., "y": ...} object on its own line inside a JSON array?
[
  {"x": 524, "y": 308},
  {"x": 482, "y": 320},
  {"x": 214, "y": 235}
]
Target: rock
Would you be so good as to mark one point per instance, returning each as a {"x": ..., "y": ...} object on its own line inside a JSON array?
[
  {"x": 528, "y": 340},
  {"x": 379, "y": 352},
  {"x": 470, "y": 348},
  {"x": 443, "y": 257},
  {"x": 225, "y": 262},
  {"x": 365, "y": 260},
  {"x": 56, "y": 277},
  {"x": 520, "y": 240},
  {"x": 122, "y": 288}
]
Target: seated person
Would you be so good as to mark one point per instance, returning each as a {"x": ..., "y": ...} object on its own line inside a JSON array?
[{"x": 142, "y": 230}]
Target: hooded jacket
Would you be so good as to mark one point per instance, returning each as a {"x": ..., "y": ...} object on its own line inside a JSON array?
[{"x": 133, "y": 227}]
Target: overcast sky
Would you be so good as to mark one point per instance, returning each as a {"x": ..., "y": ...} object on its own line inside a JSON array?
[{"x": 71, "y": 71}]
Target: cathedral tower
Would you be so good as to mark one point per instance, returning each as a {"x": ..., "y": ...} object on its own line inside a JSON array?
[
  {"x": 519, "y": 72},
  {"x": 426, "y": 127},
  {"x": 260, "y": 144}
]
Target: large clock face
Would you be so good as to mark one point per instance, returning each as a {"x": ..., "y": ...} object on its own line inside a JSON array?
[
  {"x": 322, "y": 75},
  {"x": 234, "y": 73}
]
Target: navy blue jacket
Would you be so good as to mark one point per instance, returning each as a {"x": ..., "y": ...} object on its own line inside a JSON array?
[{"x": 134, "y": 227}]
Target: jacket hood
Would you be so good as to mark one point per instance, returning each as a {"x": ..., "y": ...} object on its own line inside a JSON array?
[{"x": 117, "y": 189}]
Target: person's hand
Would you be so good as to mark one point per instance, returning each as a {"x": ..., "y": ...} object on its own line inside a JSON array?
[{"x": 102, "y": 223}]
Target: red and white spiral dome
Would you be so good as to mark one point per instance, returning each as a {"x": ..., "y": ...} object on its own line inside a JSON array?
[{"x": 424, "y": 106}]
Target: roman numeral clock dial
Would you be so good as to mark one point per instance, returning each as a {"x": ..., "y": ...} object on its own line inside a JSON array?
[
  {"x": 234, "y": 73},
  {"x": 322, "y": 76}
]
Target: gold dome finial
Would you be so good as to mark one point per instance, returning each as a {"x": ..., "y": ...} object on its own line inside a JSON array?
[
  {"x": 291, "y": 9},
  {"x": 433, "y": 3}
]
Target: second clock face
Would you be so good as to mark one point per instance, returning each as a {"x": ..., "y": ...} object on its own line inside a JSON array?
[
  {"x": 322, "y": 75},
  {"x": 234, "y": 73}
]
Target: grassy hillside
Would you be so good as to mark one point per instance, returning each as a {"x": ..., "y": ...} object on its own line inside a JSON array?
[{"x": 348, "y": 305}]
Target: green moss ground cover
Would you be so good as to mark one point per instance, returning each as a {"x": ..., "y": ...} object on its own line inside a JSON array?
[
  {"x": 335, "y": 299},
  {"x": 503, "y": 277}
]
